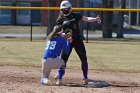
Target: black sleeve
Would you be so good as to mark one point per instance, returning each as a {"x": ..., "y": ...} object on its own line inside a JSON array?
[
  {"x": 78, "y": 16},
  {"x": 59, "y": 21}
]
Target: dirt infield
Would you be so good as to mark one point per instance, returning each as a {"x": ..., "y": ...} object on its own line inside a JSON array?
[{"x": 14, "y": 79}]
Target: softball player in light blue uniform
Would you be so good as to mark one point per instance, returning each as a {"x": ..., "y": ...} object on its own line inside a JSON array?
[{"x": 51, "y": 59}]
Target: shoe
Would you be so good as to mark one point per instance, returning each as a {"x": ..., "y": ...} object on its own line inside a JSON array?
[
  {"x": 45, "y": 81},
  {"x": 59, "y": 82},
  {"x": 85, "y": 81}
]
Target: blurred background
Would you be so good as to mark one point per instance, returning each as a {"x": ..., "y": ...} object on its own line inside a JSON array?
[{"x": 39, "y": 23}]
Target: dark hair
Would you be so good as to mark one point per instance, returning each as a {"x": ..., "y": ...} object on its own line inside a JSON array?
[
  {"x": 55, "y": 31},
  {"x": 60, "y": 16}
]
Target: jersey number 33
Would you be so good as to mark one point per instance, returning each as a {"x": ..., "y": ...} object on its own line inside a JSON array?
[{"x": 50, "y": 45}]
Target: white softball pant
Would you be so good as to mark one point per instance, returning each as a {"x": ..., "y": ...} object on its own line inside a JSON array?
[{"x": 51, "y": 63}]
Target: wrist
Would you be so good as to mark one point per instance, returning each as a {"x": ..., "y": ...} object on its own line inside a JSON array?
[{"x": 96, "y": 18}]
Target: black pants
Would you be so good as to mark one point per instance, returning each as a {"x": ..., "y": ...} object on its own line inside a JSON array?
[{"x": 79, "y": 47}]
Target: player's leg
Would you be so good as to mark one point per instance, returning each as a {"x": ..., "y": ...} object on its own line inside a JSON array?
[
  {"x": 65, "y": 58},
  {"x": 81, "y": 51},
  {"x": 46, "y": 69},
  {"x": 61, "y": 65}
]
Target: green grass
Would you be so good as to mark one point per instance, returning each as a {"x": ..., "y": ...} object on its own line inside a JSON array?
[
  {"x": 102, "y": 55},
  {"x": 4, "y": 29}
]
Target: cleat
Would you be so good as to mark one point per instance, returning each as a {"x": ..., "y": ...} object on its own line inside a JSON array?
[
  {"x": 45, "y": 81},
  {"x": 85, "y": 82},
  {"x": 59, "y": 82}
]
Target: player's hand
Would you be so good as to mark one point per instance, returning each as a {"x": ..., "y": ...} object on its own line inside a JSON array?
[
  {"x": 98, "y": 19},
  {"x": 63, "y": 34},
  {"x": 70, "y": 39}
]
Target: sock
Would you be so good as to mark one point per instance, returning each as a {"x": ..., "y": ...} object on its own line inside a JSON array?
[
  {"x": 85, "y": 70},
  {"x": 61, "y": 72}
]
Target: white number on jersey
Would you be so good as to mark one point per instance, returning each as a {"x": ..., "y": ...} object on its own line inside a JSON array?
[{"x": 51, "y": 45}]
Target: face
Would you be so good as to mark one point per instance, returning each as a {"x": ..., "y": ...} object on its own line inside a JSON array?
[{"x": 66, "y": 11}]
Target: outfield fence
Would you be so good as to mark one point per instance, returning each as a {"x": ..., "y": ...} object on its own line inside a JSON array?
[
  {"x": 78, "y": 9},
  {"x": 38, "y": 30}
]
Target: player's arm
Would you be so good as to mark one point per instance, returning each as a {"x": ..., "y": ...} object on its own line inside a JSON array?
[
  {"x": 66, "y": 46},
  {"x": 90, "y": 19}
]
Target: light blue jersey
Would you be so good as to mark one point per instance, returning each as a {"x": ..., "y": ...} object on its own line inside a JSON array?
[{"x": 55, "y": 46}]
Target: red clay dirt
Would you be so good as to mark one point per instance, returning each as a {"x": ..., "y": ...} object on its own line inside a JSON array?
[{"x": 14, "y": 79}]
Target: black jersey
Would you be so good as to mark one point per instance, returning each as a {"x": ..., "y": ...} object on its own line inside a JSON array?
[{"x": 71, "y": 22}]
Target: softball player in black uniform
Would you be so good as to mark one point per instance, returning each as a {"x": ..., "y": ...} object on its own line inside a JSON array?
[{"x": 69, "y": 19}]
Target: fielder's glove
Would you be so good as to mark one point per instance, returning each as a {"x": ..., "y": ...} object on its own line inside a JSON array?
[{"x": 65, "y": 24}]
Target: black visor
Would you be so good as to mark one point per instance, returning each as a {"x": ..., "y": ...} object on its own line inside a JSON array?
[{"x": 65, "y": 10}]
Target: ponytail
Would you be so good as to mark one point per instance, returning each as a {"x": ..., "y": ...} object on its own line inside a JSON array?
[
  {"x": 59, "y": 17},
  {"x": 55, "y": 31}
]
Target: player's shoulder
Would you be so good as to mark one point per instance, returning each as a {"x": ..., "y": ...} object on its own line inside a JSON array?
[
  {"x": 75, "y": 13},
  {"x": 59, "y": 38}
]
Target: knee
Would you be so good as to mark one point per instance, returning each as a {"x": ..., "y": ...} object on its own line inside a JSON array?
[{"x": 84, "y": 59}]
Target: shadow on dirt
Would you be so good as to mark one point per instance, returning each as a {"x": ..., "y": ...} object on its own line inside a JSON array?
[
  {"x": 125, "y": 86},
  {"x": 91, "y": 84},
  {"x": 117, "y": 84},
  {"x": 102, "y": 84}
]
